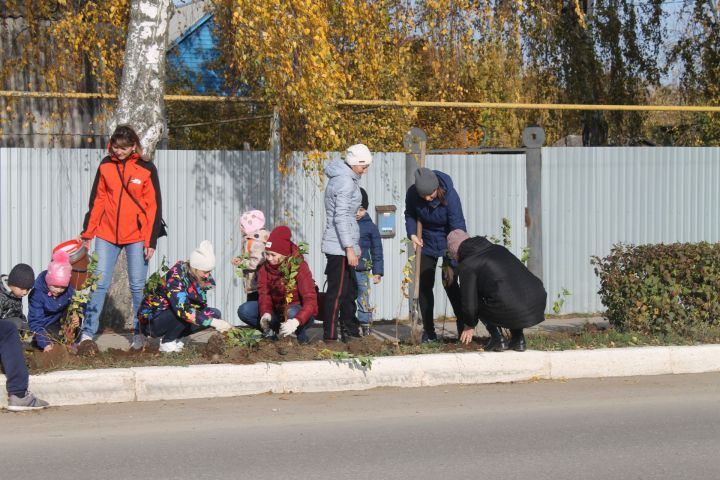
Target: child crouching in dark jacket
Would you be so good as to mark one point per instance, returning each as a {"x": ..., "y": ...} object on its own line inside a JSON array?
[
  {"x": 281, "y": 308},
  {"x": 12, "y": 289},
  {"x": 50, "y": 300}
]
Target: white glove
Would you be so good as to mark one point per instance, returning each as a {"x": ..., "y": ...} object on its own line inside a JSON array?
[
  {"x": 265, "y": 322},
  {"x": 220, "y": 325},
  {"x": 289, "y": 327}
]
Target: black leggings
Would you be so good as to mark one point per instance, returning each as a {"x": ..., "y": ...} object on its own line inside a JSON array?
[
  {"x": 427, "y": 298},
  {"x": 340, "y": 299}
]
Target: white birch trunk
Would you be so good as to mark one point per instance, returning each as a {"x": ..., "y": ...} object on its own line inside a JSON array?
[
  {"x": 140, "y": 101},
  {"x": 140, "y": 104}
]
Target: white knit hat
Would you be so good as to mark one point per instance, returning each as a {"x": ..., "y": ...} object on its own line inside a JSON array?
[
  {"x": 358, "y": 155},
  {"x": 203, "y": 257}
]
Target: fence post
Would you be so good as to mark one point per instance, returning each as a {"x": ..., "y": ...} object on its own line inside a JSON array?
[
  {"x": 275, "y": 152},
  {"x": 415, "y": 143},
  {"x": 533, "y": 138}
]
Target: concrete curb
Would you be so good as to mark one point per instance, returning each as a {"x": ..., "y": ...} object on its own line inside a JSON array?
[{"x": 208, "y": 381}]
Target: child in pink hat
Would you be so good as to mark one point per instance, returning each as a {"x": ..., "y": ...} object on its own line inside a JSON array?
[
  {"x": 254, "y": 236},
  {"x": 49, "y": 300}
]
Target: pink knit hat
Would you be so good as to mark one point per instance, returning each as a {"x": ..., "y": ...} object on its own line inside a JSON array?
[
  {"x": 59, "y": 269},
  {"x": 252, "y": 221},
  {"x": 454, "y": 239}
]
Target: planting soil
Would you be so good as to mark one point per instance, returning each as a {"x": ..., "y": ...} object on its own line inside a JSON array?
[{"x": 219, "y": 350}]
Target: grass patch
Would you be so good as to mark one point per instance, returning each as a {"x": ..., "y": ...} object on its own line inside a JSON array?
[{"x": 591, "y": 337}]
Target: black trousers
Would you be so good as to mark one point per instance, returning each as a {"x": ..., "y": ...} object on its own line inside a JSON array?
[
  {"x": 427, "y": 298},
  {"x": 340, "y": 299},
  {"x": 168, "y": 326}
]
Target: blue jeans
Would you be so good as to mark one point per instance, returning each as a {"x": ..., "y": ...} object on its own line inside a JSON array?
[
  {"x": 13, "y": 359},
  {"x": 249, "y": 312},
  {"x": 364, "y": 309},
  {"x": 137, "y": 272}
]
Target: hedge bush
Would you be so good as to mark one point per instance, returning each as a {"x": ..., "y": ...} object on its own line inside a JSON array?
[{"x": 661, "y": 288}]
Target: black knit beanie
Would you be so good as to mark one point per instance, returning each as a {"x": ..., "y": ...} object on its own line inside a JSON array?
[
  {"x": 22, "y": 276},
  {"x": 364, "y": 203}
]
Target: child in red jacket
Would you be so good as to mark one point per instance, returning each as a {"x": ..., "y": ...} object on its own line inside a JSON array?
[{"x": 282, "y": 307}]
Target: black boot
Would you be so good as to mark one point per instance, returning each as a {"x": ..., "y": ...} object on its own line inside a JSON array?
[
  {"x": 517, "y": 340},
  {"x": 497, "y": 341}
]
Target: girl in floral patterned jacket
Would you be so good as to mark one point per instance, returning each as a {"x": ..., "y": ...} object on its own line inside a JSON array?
[{"x": 177, "y": 306}]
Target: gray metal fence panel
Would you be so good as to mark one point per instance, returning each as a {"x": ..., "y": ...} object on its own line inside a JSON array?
[
  {"x": 592, "y": 198},
  {"x": 44, "y": 195},
  {"x": 596, "y": 197}
]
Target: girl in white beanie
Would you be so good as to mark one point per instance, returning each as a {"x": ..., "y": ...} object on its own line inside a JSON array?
[{"x": 177, "y": 306}]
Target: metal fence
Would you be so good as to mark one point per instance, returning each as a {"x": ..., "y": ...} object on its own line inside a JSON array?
[
  {"x": 596, "y": 197},
  {"x": 592, "y": 198}
]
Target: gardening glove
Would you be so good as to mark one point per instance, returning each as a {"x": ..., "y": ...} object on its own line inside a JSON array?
[
  {"x": 288, "y": 327},
  {"x": 220, "y": 325},
  {"x": 265, "y": 322}
]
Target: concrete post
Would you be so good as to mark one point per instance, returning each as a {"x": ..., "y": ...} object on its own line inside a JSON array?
[
  {"x": 279, "y": 182},
  {"x": 533, "y": 138}
]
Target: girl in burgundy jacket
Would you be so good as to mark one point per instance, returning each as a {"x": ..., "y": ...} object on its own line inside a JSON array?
[{"x": 277, "y": 310}]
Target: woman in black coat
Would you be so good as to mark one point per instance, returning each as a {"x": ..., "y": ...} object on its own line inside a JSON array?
[{"x": 497, "y": 289}]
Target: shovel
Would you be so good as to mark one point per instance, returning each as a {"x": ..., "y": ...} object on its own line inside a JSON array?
[
  {"x": 415, "y": 142},
  {"x": 416, "y": 324}
]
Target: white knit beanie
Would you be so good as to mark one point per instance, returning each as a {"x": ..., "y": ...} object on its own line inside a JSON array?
[
  {"x": 358, "y": 155},
  {"x": 203, "y": 257}
]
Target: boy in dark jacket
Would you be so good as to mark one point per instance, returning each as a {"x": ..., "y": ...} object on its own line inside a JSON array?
[
  {"x": 12, "y": 288},
  {"x": 49, "y": 301},
  {"x": 371, "y": 262},
  {"x": 496, "y": 288}
]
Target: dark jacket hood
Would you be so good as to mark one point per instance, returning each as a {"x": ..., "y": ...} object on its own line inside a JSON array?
[{"x": 473, "y": 246}]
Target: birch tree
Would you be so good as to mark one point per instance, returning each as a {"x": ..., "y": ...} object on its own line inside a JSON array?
[{"x": 140, "y": 99}]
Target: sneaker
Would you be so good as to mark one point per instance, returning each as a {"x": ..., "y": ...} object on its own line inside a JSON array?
[
  {"x": 28, "y": 402},
  {"x": 84, "y": 337},
  {"x": 138, "y": 341},
  {"x": 429, "y": 337},
  {"x": 173, "y": 346},
  {"x": 365, "y": 329}
]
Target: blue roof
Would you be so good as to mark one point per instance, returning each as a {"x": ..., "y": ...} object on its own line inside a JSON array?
[{"x": 193, "y": 54}]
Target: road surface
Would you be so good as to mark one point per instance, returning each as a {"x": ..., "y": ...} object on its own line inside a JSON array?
[{"x": 664, "y": 427}]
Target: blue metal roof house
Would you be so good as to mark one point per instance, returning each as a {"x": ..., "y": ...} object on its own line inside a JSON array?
[{"x": 192, "y": 58}]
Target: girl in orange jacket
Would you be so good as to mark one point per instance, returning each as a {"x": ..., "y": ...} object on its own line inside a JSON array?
[{"x": 125, "y": 212}]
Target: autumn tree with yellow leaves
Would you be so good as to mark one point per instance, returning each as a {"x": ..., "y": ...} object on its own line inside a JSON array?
[
  {"x": 303, "y": 56},
  {"x": 60, "y": 46}
]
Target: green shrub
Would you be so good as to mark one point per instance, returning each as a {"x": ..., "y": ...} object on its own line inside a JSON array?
[{"x": 661, "y": 288}]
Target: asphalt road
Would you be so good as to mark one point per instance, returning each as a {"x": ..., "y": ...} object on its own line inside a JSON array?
[{"x": 665, "y": 427}]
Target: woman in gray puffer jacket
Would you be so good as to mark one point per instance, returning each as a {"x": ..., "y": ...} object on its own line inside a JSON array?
[{"x": 340, "y": 242}]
